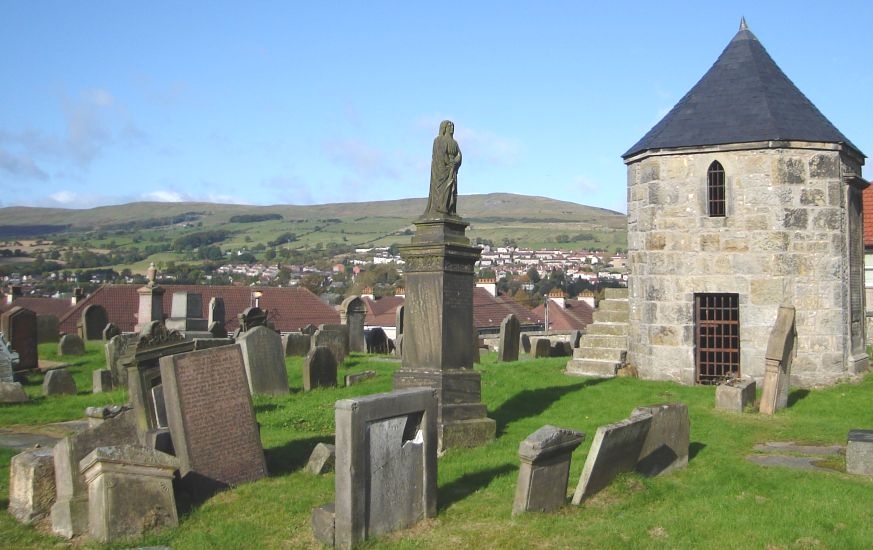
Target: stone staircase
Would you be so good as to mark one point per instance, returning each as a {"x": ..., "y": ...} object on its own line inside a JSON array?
[{"x": 603, "y": 348}]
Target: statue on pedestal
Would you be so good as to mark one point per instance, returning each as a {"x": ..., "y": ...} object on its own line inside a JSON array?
[{"x": 445, "y": 162}]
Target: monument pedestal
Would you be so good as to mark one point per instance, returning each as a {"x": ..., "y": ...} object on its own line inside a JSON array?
[
  {"x": 151, "y": 305},
  {"x": 437, "y": 337}
]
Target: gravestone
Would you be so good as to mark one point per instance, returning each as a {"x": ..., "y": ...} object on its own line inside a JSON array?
[
  {"x": 264, "y": 361},
  {"x": 130, "y": 491},
  {"x": 510, "y": 330},
  {"x": 399, "y": 320},
  {"x": 386, "y": 466},
  {"x": 7, "y": 358},
  {"x": 525, "y": 343},
  {"x": 335, "y": 337},
  {"x": 186, "y": 313},
  {"x": 94, "y": 320},
  {"x": 250, "y": 318},
  {"x": 12, "y": 392},
  {"x": 101, "y": 381},
  {"x": 735, "y": 394},
  {"x": 217, "y": 330},
  {"x": 542, "y": 347},
  {"x": 576, "y": 337},
  {"x": 19, "y": 326},
  {"x": 377, "y": 340},
  {"x": 666, "y": 445},
  {"x": 47, "y": 330},
  {"x": 117, "y": 348},
  {"x": 779, "y": 355},
  {"x": 211, "y": 418},
  {"x": 614, "y": 450},
  {"x": 70, "y": 511},
  {"x": 110, "y": 331},
  {"x": 31, "y": 485},
  {"x": 296, "y": 344},
  {"x": 151, "y": 301},
  {"x": 58, "y": 382},
  {"x": 353, "y": 312},
  {"x": 545, "y": 469},
  {"x": 358, "y": 377},
  {"x": 319, "y": 369},
  {"x": 322, "y": 459},
  {"x": 859, "y": 452},
  {"x": 71, "y": 344},
  {"x": 216, "y": 311}
]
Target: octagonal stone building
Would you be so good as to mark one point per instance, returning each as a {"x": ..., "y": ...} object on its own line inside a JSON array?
[{"x": 744, "y": 197}]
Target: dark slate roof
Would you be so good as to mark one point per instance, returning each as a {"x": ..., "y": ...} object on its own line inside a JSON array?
[{"x": 744, "y": 97}]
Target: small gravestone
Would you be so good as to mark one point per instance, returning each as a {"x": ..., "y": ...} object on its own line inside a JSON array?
[
  {"x": 12, "y": 392},
  {"x": 211, "y": 419},
  {"x": 58, "y": 382},
  {"x": 779, "y": 355},
  {"x": 101, "y": 381},
  {"x": 560, "y": 348},
  {"x": 130, "y": 492},
  {"x": 322, "y": 459},
  {"x": 110, "y": 331},
  {"x": 296, "y": 344},
  {"x": 542, "y": 348},
  {"x": 335, "y": 337},
  {"x": 614, "y": 450},
  {"x": 358, "y": 377},
  {"x": 353, "y": 313},
  {"x": 94, "y": 320},
  {"x": 525, "y": 343},
  {"x": 319, "y": 369},
  {"x": 545, "y": 469},
  {"x": 31, "y": 485},
  {"x": 386, "y": 466},
  {"x": 47, "y": 330},
  {"x": 510, "y": 330},
  {"x": 859, "y": 452},
  {"x": 735, "y": 394},
  {"x": 264, "y": 361},
  {"x": 666, "y": 445},
  {"x": 20, "y": 329},
  {"x": 70, "y": 344}
]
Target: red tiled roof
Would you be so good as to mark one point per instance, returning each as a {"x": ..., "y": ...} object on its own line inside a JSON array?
[
  {"x": 867, "y": 204},
  {"x": 489, "y": 311},
  {"x": 41, "y": 306},
  {"x": 575, "y": 315},
  {"x": 289, "y": 309},
  {"x": 381, "y": 312}
]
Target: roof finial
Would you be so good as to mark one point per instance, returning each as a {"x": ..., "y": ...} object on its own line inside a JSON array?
[{"x": 743, "y": 26}]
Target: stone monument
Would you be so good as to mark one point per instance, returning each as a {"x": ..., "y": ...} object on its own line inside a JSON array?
[
  {"x": 151, "y": 296},
  {"x": 510, "y": 331},
  {"x": 437, "y": 351},
  {"x": 94, "y": 320}
]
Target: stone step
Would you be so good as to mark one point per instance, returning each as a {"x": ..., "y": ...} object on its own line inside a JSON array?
[
  {"x": 613, "y": 305},
  {"x": 601, "y": 316},
  {"x": 587, "y": 367},
  {"x": 603, "y": 341},
  {"x": 610, "y": 293},
  {"x": 600, "y": 354},
  {"x": 617, "y": 329}
]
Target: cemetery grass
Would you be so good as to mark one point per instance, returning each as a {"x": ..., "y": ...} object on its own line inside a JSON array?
[{"x": 720, "y": 500}]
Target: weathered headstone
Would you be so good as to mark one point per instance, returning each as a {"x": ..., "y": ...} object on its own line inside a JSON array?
[
  {"x": 211, "y": 418},
  {"x": 47, "y": 330},
  {"x": 94, "y": 320},
  {"x": 7, "y": 358},
  {"x": 735, "y": 394},
  {"x": 251, "y": 317},
  {"x": 71, "y": 344},
  {"x": 186, "y": 313},
  {"x": 542, "y": 347},
  {"x": 614, "y": 449},
  {"x": 117, "y": 348},
  {"x": 545, "y": 469},
  {"x": 353, "y": 312},
  {"x": 322, "y": 459},
  {"x": 101, "y": 381},
  {"x": 296, "y": 344},
  {"x": 510, "y": 329},
  {"x": 58, "y": 382},
  {"x": 386, "y": 466},
  {"x": 31, "y": 485},
  {"x": 525, "y": 343},
  {"x": 476, "y": 345},
  {"x": 264, "y": 361},
  {"x": 217, "y": 330},
  {"x": 859, "y": 452},
  {"x": 358, "y": 377},
  {"x": 319, "y": 369},
  {"x": 12, "y": 392},
  {"x": 666, "y": 446},
  {"x": 19, "y": 326},
  {"x": 216, "y": 312},
  {"x": 779, "y": 355},
  {"x": 130, "y": 491},
  {"x": 110, "y": 331},
  {"x": 335, "y": 337}
]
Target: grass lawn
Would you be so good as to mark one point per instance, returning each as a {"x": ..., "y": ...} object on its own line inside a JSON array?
[{"x": 720, "y": 500}]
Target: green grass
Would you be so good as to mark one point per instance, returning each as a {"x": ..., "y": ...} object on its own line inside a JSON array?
[{"x": 720, "y": 500}]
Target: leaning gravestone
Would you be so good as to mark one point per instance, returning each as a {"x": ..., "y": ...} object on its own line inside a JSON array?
[
  {"x": 31, "y": 485},
  {"x": 110, "y": 331},
  {"x": 319, "y": 369},
  {"x": 47, "y": 329},
  {"x": 71, "y": 344},
  {"x": 780, "y": 354},
  {"x": 525, "y": 343},
  {"x": 335, "y": 337},
  {"x": 58, "y": 382},
  {"x": 545, "y": 469},
  {"x": 399, "y": 319},
  {"x": 94, "y": 320},
  {"x": 666, "y": 446},
  {"x": 19, "y": 326},
  {"x": 264, "y": 361},
  {"x": 322, "y": 459},
  {"x": 386, "y": 466},
  {"x": 353, "y": 312},
  {"x": 211, "y": 418},
  {"x": 510, "y": 329}
]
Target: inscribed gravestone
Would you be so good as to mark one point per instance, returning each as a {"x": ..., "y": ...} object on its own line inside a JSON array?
[
  {"x": 319, "y": 369},
  {"x": 779, "y": 355},
  {"x": 71, "y": 344},
  {"x": 19, "y": 326},
  {"x": 94, "y": 320},
  {"x": 510, "y": 330},
  {"x": 211, "y": 418},
  {"x": 47, "y": 329},
  {"x": 216, "y": 311},
  {"x": 264, "y": 361},
  {"x": 545, "y": 469},
  {"x": 353, "y": 312},
  {"x": 525, "y": 343}
]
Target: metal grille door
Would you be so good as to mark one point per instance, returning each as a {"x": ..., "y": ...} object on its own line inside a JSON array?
[{"x": 716, "y": 337}]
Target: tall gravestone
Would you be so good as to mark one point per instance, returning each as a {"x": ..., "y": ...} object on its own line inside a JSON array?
[
  {"x": 335, "y": 337},
  {"x": 510, "y": 330},
  {"x": 353, "y": 312},
  {"x": 19, "y": 326},
  {"x": 779, "y": 355},
  {"x": 264, "y": 360},
  {"x": 437, "y": 347},
  {"x": 216, "y": 318},
  {"x": 47, "y": 329},
  {"x": 94, "y": 320}
]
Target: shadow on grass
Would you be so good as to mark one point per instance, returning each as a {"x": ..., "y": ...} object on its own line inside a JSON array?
[
  {"x": 468, "y": 484},
  {"x": 292, "y": 455},
  {"x": 694, "y": 448},
  {"x": 796, "y": 396},
  {"x": 529, "y": 403},
  {"x": 264, "y": 407}
]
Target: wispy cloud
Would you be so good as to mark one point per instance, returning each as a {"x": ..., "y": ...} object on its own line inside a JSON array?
[
  {"x": 484, "y": 144},
  {"x": 361, "y": 158},
  {"x": 21, "y": 167}
]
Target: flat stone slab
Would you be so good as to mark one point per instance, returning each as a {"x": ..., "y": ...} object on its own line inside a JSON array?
[
  {"x": 785, "y": 461},
  {"x": 44, "y": 436},
  {"x": 791, "y": 447}
]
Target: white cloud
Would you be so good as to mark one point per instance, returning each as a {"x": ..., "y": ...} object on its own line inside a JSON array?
[
  {"x": 64, "y": 197},
  {"x": 363, "y": 159},
  {"x": 164, "y": 196}
]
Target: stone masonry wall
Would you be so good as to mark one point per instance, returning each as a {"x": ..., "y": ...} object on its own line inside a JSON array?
[{"x": 784, "y": 240}]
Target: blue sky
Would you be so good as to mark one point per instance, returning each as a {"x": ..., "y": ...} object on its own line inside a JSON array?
[{"x": 316, "y": 102}]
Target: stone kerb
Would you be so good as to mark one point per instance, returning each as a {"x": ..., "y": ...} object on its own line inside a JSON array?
[
  {"x": 779, "y": 356},
  {"x": 510, "y": 330},
  {"x": 545, "y": 469},
  {"x": 353, "y": 314},
  {"x": 319, "y": 369},
  {"x": 386, "y": 466},
  {"x": 264, "y": 361}
]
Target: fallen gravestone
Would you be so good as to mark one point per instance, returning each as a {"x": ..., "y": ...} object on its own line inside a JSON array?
[
  {"x": 322, "y": 459},
  {"x": 70, "y": 344},
  {"x": 31, "y": 485},
  {"x": 58, "y": 382},
  {"x": 735, "y": 394},
  {"x": 545, "y": 469},
  {"x": 666, "y": 445},
  {"x": 264, "y": 361},
  {"x": 859, "y": 452},
  {"x": 319, "y": 369},
  {"x": 779, "y": 355}
]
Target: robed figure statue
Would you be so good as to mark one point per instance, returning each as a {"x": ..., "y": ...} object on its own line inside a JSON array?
[{"x": 443, "y": 198}]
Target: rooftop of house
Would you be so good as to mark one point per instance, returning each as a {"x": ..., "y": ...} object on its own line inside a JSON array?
[{"x": 575, "y": 315}]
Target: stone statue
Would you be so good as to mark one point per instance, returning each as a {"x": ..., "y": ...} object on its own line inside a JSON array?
[
  {"x": 443, "y": 198},
  {"x": 151, "y": 272}
]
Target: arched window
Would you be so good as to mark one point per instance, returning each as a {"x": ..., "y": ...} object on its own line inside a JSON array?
[{"x": 715, "y": 191}]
